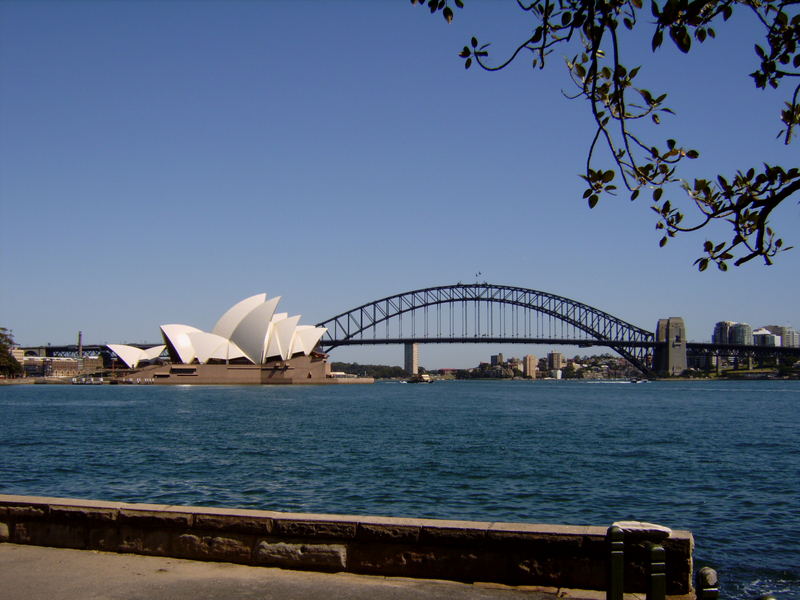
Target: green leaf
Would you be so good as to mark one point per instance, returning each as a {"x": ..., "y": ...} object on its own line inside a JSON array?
[
  {"x": 593, "y": 200},
  {"x": 692, "y": 154},
  {"x": 658, "y": 38},
  {"x": 468, "y": 63},
  {"x": 654, "y": 9},
  {"x": 448, "y": 14},
  {"x": 680, "y": 35},
  {"x": 474, "y": 42},
  {"x": 657, "y": 194}
]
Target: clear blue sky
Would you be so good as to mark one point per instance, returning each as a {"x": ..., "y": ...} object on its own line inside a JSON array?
[{"x": 160, "y": 161}]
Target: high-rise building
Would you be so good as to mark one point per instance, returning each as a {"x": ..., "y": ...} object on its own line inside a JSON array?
[
  {"x": 764, "y": 337},
  {"x": 790, "y": 337},
  {"x": 741, "y": 333},
  {"x": 496, "y": 359},
  {"x": 529, "y": 366},
  {"x": 555, "y": 361},
  {"x": 722, "y": 332}
]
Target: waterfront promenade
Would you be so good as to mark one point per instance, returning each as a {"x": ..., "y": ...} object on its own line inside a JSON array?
[
  {"x": 53, "y": 544},
  {"x": 40, "y": 573}
]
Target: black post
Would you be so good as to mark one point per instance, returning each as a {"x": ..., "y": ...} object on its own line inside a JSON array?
[
  {"x": 616, "y": 563},
  {"x": 657, "y": 573},
  {"x": 707, "y": 584}
]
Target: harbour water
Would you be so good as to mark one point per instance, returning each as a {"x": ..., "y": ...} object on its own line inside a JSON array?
[{"x": 721, "y": 459}]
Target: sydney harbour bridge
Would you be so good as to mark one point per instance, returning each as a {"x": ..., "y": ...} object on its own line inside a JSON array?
[{"x": 486, "y": 313}]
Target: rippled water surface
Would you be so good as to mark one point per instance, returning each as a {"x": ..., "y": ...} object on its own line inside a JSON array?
[{"x": 721, "y": 459}]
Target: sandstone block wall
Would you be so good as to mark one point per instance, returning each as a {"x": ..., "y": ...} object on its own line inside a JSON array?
[{"x": 510, "y": 553}]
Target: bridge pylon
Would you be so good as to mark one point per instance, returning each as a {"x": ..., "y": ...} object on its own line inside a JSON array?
[
  {"x": 411, "y": 363},
  {"x": 669, "y": 357}
]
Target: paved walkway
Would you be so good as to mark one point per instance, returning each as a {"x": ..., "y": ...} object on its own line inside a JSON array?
[{"x": 38, "y": 573}]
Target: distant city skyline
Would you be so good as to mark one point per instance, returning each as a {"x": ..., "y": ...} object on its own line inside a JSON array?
[{"x": 161, "y": 160}]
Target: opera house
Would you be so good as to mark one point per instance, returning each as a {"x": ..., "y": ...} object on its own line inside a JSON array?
[{"x": 250, "y": 344}]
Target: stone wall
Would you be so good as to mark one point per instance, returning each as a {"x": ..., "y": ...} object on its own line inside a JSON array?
[{"x": 510, "y": 553}]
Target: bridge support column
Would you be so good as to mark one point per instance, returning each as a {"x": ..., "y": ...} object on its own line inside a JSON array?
[
  {"x": 411, "y": 364},
  {"x": 670, "y": 354}
]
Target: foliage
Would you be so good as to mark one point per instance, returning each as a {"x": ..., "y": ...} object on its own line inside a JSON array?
[
  {"x": 592, "y": 28},
  {"x": 9, "y": 366},
  {"x": 376, "y": 371},
  {"x": 486, "y": 371},
  {"x": 569, "y": 372}
]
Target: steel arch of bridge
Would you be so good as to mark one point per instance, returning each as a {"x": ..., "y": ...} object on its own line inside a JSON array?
[{"x": 589, "y": 326}]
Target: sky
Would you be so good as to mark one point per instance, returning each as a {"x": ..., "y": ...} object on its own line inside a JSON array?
[{"x": 160, "y": 161}]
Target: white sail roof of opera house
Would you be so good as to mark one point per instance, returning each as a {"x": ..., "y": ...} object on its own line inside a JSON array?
[
  {"x": 132, "y": 356},
  {"x": 250, "y": 330},
  {"x": 228, "y": 322}
]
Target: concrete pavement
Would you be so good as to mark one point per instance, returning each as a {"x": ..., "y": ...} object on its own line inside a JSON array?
[{"x": 42, "y": 573}]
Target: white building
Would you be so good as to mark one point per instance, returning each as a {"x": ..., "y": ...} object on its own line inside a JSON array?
[
  {"x": 764, "y": 337},
  {"x": 250, "y": 332}
]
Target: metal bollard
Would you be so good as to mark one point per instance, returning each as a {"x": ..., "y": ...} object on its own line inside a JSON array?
[
  {"x": 657, "y": 573},
  {"x": 616, "y": 563},
  {"x": 707, "y": 584}
]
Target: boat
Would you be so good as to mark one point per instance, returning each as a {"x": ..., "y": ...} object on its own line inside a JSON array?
[{"x": 421, "y": 378}]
